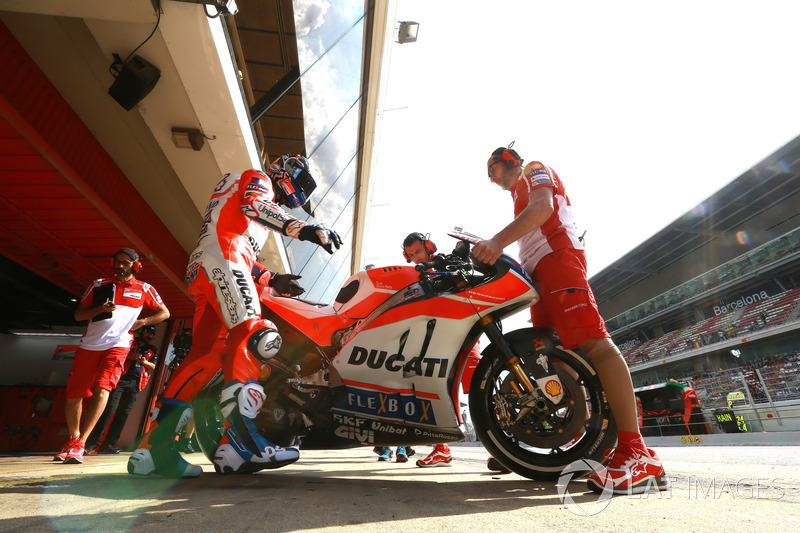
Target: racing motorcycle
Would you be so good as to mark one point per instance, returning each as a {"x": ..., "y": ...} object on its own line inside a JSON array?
[{"x": 382, "y": 366}]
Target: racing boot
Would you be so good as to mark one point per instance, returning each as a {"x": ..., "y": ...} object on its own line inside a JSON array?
[
  {"x": 158, "y": 454},
  {"x": 242, "y": 449}
]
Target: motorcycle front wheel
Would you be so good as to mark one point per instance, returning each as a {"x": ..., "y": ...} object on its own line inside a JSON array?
[{"x": 534, "y": 439}]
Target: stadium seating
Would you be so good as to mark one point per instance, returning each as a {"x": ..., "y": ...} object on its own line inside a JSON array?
[{"x": 778, "y": 309}]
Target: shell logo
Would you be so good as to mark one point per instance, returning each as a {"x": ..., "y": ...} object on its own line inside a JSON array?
[{"x": 552, "y": 387}]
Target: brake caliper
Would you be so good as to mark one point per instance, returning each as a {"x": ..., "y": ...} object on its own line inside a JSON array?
[{"x": 501, "y": 413}]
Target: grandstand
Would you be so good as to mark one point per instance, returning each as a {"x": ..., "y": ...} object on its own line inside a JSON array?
[
  {"x": 718, "y": 289},
  {"x": 773, "y": 311}
]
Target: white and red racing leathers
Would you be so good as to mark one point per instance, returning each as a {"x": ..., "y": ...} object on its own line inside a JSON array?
[{"x": 238, "y": 219}]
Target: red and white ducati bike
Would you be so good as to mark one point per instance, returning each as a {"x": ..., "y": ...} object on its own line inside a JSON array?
[{"x": 382, "y": 367}]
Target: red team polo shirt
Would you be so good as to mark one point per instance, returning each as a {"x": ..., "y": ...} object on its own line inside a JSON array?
[
  {"x": 558, "y": 232},
  {"x": 130, "y": 298}
]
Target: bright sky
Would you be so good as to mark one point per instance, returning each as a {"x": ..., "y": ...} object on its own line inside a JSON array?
[{"x": 644, "y": 109}]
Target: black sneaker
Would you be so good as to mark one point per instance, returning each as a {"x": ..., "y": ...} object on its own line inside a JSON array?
[
  {"x": 495, "y": 466},
  {"x": 383, "y": 450},
  {"x": 386, "y": 454},
  {"x": 107, "y": 448}
]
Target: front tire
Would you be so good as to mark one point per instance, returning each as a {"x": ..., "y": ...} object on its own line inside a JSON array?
[{"x": 543, "y": 442}]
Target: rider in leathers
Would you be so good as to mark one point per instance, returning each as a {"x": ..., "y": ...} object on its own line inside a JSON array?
[{"x": 229, "y": 332}]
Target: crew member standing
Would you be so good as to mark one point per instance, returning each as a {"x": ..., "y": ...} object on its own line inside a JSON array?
[
  {"x": 112, "y": 306},
  {"x": 551, "y": 252}
]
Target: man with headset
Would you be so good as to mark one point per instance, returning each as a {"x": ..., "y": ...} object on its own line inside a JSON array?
[
  {"x": 229, "y": 332},
  {"x": 112, "y": 307},
  {"x": 418, "y": 248},
  {"x": 551, "y": 252}
]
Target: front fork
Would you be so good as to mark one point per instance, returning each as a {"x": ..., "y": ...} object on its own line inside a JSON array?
[
  {"x": 541, "y": 394},
  {"x": 523, "y": 384}
]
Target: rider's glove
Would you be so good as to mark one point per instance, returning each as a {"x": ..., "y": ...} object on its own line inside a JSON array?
[
  {"x": 322, "y": 236},
  {"x": 286, "y": 285}
]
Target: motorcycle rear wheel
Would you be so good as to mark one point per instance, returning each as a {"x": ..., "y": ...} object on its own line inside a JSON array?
[{"x": 542, "y": 443}]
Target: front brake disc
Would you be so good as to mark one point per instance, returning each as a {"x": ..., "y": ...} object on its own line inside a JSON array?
[{"x": 551, "y": 426}]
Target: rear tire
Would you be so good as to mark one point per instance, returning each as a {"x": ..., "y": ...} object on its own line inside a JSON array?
[{"x": 541, "y": 444}]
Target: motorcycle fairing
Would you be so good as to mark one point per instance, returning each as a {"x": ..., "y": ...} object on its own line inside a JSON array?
[
  {"x": 507, "y": 290},
  {"x": 317, "y": 322},
  {"x": 363, "y": 294},
  {"x": 365, "y": 290},
  {"x": 402, "y": 325},
  {"x": 401, "y": 405},
  {"x": 473, "y": 302},
  {"x": 379, "y": 296},
  {"x": 350, "y": 431},
  {"x": 411, "y": 361},
  {"x": 449, "y": 306}
]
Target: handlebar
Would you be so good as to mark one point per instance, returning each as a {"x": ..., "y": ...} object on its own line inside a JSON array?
[
  {"x": 439, "y": 262},
  {"x": 443, "y": 271},
  {"x": 453, "y": 262}
]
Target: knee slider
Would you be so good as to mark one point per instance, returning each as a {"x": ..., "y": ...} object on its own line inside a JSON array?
[{"x": 264, "y": 344}]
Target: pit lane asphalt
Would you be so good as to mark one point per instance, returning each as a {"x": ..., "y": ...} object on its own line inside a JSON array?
[{"x": 714, "y": 488}]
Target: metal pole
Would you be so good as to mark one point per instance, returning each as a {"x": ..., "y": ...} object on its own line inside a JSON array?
[
  {"x": 769, "y": 397},
  {"x": 752, "y": 403}
]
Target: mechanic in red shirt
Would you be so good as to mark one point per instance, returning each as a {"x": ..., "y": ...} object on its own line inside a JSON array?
[
  {"x": 112, "y": 306},
  {"x": 418, "y": 248},
  {"x": 242, "y": 211},
  {"x": 550, "y": 251}
]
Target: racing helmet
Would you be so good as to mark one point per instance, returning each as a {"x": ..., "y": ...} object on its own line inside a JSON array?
[
  {"x": 149, "y": 328},
  {"x": 293, "y": 181}
]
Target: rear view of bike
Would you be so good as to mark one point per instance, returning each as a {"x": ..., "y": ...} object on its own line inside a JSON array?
[{"x": 526, "y": 430}]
